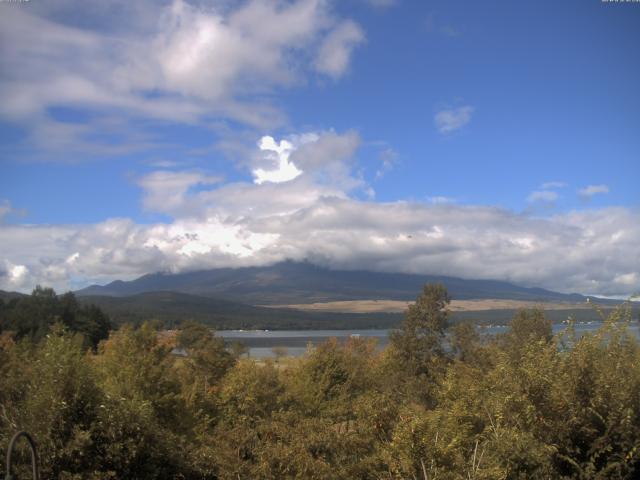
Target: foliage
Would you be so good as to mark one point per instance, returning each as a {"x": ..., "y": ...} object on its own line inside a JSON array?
[
  {"x": 416, "y": 353},
  {"x": 32, "y": 316},
  {"x": 430, "y": 406}
]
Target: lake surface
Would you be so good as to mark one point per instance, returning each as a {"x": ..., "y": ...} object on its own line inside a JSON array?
[{"x": 262, "y": 342}]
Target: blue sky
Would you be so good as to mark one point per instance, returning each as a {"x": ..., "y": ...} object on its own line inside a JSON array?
[{"x": 502, "y": 137}]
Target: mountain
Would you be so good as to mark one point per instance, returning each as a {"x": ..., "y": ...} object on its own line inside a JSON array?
[
  {"x": 294, "y": 283},
  {"x": 228, "y": 298}
]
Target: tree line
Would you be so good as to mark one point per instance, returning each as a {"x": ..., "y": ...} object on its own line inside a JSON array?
[{"x": 524, "y": 404}]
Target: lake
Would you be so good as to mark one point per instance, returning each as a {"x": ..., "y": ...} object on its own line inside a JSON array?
[{"x": 262, "y": 342}]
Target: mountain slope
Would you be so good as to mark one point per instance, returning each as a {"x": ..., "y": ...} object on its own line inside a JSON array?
[{"x": 291, "y": 282}]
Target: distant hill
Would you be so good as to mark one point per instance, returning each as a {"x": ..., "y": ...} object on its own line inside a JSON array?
[
  {"x": 6, "y": 296},
  {"x": 230, "y": 298},
  {"x": 173, "y": 307},
  {"x": 292, "y": 282}
]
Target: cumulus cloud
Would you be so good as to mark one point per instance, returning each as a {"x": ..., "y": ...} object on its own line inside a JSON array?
[
  {"x": 329, "y": 160},
  {"x": 209, "y": 55},
  {"x": 14, "y": 277},
  {"x": 591, "y": 190},
  {"x": 450, "y": 120},
  {"x": 282, "y": 170},
  {"x": 288, "y": 174},
  {"x": 316, "y": 216},
  {"x": 196, "y": 62},
  {"x": 335, "y": 52},
  {"x": 586, "y": 251},
  {"x": 166, "y": 191},
  {"x": 547, "y": 196},
  {"x": 181, "y": 61}
]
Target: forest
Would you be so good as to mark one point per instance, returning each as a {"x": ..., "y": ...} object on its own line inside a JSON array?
[{"x": 440, "y": 402}]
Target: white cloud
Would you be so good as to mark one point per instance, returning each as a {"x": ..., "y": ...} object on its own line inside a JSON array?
[
  {"x": 571, "y": 252},
  {"x": 440, "y": 200},
  {"x": 329, "y": 159},
  {"x": 202, "y": 239},
  {"x": 592, "y": 190},
  {"x": 335, "y": 53},
  {"x": 631, "y": 279},
  {"x": 325, "y": 156},
  {"x": 314, "y": 216},
  {"x": 552, "y": 185},
  {"x": 295, "y": 172},
  {"x": 453, "y": 119},
  {"x": 282, "y": 169},
  {"x": 165, "y": 163},
  {"x": 186, "y": 62},
  {"x": 547, "y": 193},
  {"x": 209, "y": 55},
  {"x": 542, "y": 196},
  {"x": 167, "y": 191},
  {"x": 14, "y": 277}
]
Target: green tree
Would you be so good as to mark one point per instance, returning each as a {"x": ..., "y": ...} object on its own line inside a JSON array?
[
  {"x": 32, "y": 316},
  {"x": 206, "y": 362},
  {"x": 416, "y": 350},
  {"x": 145, "y": 421},
  {"x": 50, "y": 390}
]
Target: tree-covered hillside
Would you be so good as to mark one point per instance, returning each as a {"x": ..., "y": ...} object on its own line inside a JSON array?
[
  {"x": 33, "y": 315},
  {"x": 171, "y": 308}
]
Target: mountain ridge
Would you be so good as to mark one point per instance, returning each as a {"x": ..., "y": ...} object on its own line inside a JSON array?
[{"x": 303, "y": 282}]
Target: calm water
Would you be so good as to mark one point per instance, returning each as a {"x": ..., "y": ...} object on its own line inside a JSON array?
[{"x": 262, "y": 342}]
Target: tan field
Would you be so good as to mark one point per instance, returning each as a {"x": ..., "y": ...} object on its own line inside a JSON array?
[{"x": 394, "y": 306}]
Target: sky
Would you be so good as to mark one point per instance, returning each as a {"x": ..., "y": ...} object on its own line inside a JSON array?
[{"x": 492, "y": 140}]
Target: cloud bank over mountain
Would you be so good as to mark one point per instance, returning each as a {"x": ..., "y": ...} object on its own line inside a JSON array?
[
  {"x": 317, "y": 216},
  {"x": 221, "y": 93}
]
